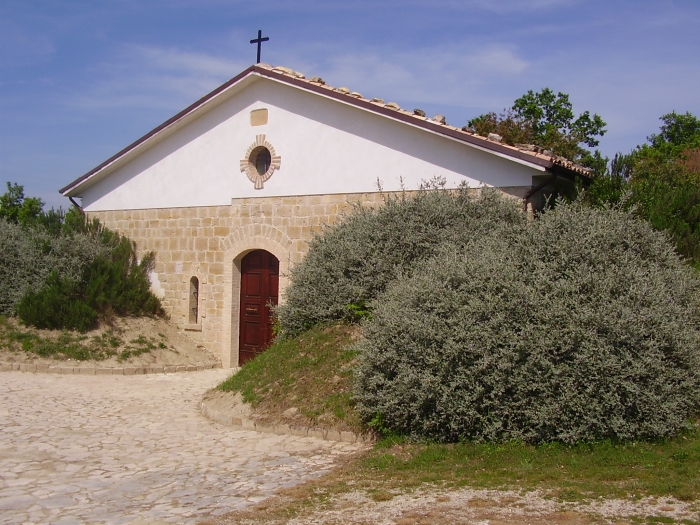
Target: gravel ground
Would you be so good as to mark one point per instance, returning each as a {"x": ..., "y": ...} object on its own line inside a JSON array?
[{"x": 470, "y": 507}]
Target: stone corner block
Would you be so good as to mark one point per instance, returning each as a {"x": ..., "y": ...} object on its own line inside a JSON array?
[
  {"x": 298, "y": 431},
  {"x": 348, "y": 437},
  {"x": 334, "y": 435},
  {"x": 248, "y": 424},
  {"x": 262, "y": 427},
  {"x": 281, "y": 428},
  {"x": 316, "y": 433}
]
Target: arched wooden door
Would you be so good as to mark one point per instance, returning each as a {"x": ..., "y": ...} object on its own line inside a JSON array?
[{"x": 259, "y": 288}]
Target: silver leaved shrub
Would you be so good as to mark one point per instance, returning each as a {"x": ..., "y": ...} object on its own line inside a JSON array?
[
  {"x": 29, "y": 255},
  {"x": 581, "y": 325},
  {"x": 349, "y": 264}
]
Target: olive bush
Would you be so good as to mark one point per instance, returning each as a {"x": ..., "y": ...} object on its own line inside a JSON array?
[
  {"x": 350, "y": 264},
  {"x": 29, "y": 255},
  {"x": 582, "y": 325}
]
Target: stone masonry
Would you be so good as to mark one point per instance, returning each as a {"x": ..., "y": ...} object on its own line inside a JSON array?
[{"x": 209, "y": 242}]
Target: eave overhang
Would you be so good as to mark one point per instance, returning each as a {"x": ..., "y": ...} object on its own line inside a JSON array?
[{"x": 538, "y": 161}]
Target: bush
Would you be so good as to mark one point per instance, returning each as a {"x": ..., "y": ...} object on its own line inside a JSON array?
[
  {"x": 582, "y": 326},
  {"x": 29, "y": 254},
  {"x": 112, "y": 283},
  {"x": 353, "y": 262},
  {"x": 60, "y": 269},
  {"x": 56, "y": 306}
]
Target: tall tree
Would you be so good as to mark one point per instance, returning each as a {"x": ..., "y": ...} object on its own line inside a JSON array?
[
  {"x": 547, "y": 120},
  {"x": 662, "y": 180},
  {"x": 18, "y": 209}
]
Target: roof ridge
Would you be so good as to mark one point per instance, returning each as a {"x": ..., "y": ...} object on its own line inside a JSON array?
[
  {"x": 529, "y": 153},
  {"x": 533, "y": 149}
]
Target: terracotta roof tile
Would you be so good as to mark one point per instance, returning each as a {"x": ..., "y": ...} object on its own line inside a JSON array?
[{"x": 530, "y": 149}]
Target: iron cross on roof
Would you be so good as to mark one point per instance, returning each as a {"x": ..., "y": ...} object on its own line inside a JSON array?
[{"x": 259, "y": 41}]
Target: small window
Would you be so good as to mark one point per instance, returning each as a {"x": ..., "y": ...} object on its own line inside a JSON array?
[
  {"x": 194, "y": 301},
  {"x": 261, "y": 158},
  {"x": 258, "y": 117}
]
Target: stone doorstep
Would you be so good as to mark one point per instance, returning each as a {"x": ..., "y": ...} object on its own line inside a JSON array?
[
  {"x": 125, "y": 371},
  {"x": 283, "y": 429}
]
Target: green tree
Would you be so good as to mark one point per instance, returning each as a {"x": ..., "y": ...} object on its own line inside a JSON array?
[
  {"x": 678, "y": 134},
  {"x": 18, "y": 209},
  {"x": 662, "y": 181},
  {"x": 547, "y": 120}
]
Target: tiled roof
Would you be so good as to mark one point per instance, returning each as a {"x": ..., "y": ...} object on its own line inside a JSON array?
[
  {"x": 529, "y": 150},
  {"x": 524, "y": 152}
]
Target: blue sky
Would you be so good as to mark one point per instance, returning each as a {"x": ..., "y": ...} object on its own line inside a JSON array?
[{"x": 81, "y": 79}]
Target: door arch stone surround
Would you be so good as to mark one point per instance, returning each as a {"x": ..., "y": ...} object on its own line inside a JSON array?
[{"x": 240, "y": 242}]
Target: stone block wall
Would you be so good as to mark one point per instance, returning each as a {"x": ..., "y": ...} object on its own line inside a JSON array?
[{"x": 208, "y": 243}]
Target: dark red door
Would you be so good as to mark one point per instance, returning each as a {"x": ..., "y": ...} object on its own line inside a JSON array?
[{"x": 259, "y": 288}]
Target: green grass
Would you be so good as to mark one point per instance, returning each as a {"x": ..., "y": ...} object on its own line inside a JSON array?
[
  {"x": 313, "y": 373},
  {"x": 310, "y": 373},
  {"x": 563, "y": 474},
  {"x": 670, "y": 468},
  {"x": 142, "y": 345}
]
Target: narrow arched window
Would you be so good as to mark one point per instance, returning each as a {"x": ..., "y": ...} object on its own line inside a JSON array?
[{"x": 194, "y": 300}]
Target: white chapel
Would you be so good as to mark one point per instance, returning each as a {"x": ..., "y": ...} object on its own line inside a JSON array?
[{"x": 228, "y": 192}]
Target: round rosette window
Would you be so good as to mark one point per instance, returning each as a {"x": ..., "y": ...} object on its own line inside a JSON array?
[{"x": 260, "y": 161}]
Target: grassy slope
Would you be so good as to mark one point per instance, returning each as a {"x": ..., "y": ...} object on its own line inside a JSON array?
[
  {"x": 313, "y": 374},
  {"x": 581, "y": 474},
  {"x": 303, "y": 381}
]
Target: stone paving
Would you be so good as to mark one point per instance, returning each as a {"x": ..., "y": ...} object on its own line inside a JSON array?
[{"x": 134, "y": 449}]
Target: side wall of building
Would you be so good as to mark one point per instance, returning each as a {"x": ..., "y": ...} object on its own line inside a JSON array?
[{"x": 208, "y": 242}]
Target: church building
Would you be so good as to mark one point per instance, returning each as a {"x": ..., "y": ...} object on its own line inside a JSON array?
[{"x": 228, "y": 192}]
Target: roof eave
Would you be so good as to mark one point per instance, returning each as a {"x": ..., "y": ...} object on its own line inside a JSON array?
[
  {"x": 67, "y": 190},
  {"x": 503, "y": 150}
]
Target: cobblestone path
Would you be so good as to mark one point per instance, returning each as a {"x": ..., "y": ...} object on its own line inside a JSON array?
[{"x": 135, "y": 449}]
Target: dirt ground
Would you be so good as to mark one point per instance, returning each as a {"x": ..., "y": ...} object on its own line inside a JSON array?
[
  {"x": 180, "y": 348},
  {"x": 432, "y": 506}
]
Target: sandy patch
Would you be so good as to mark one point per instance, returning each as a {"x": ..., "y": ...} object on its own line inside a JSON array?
[
  {"x": 470, "y": 506},
  {"x": 172, "y": 346},
  {"x": 227, "y": 403}
]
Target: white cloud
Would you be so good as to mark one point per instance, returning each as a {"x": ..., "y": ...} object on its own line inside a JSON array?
[
  {"x": 152, "y": 77},
  {"x": 426, "y": 75},
  {"x": 168, "y": 78},
  {"x": 514, "y": 6},
  {"x": 461, "y": 81}
]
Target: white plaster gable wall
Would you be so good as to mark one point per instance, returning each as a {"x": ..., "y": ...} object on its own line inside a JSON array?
[{"x": 326, "y": 147}]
